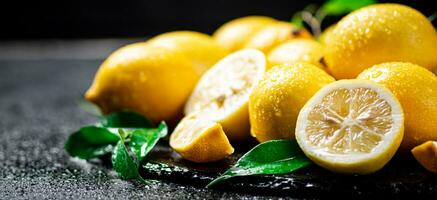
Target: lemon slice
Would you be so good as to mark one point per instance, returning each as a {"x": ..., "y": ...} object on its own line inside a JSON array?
[
  {"x": 426, "y": 155},
  {"x": 222, "y": 94},
  {"x": 200, "y": 140},
  {"x": 351, "y": 126}
]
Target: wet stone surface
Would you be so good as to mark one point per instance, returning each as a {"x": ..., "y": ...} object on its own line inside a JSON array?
[{"x": 38, "y": 110}]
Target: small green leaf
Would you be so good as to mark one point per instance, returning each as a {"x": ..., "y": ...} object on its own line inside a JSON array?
[
  {"x": 90, "y": 142},
  {"x": 125, "y": 120},
  {"x": 341, "y": 7},
  {"x": 297, "y": 20},
  {"x": 272, "y": 157},
  {"x": 143, "y": 140},
  {"x": 123, "y": 164}
]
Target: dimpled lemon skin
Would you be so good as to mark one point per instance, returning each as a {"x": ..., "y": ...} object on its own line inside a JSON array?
[
  {"x": 199, "y": 48},
  {"x": 234, "y": 34},
  {"x": 380, "y": 33},
  {"x": 416, "y": 89},
  {"x": 276, "y": 101},
  {"x": 298, "y": 50},
  {"x": 149, "y": 80},
  {"x": 274, "y": 34}
]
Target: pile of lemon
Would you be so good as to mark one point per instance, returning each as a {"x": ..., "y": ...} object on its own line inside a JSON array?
[{"x": 350, "y": 99}]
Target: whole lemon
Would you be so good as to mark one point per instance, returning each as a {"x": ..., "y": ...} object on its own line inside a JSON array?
[
  {"x": 276, "y": 101},
  {"x": 298, "y": 50},
  {"x": 416, "y": 89},
  {"x": 274, "y": 34},
  {"x": 146, "y": 79},
  {"x": 199, "y": 48},
  {"x": 234, "y": 34},
  {"x": 380, "y": 33},
  {"x": 325, "y": 34}
]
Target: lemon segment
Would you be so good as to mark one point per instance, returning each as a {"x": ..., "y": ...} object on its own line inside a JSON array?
[
  {"x": 222, "y": 93},
  {"x": 351, "y": 126},
  {"x": 426, "y": 155},
  {"x": 200, "y": 140}
]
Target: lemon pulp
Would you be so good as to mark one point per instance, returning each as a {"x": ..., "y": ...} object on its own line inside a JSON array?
[{"x": 351, "y": 126}]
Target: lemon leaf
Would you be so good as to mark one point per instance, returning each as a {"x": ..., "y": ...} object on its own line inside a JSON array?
[
  {"x": 297, "y": 20},
  {"x": 271, "y": 157},
  {"x": 341, "y": 7},
  {"x": 143, "y": 140},
  {"x": 125, "y": 120},
  {"x": 91, "y": 141},
  {"x": 123, "y": 163}
]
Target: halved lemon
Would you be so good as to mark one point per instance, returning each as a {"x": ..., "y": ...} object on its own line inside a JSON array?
[
  {"x": 222, "y": 94},
  {"x": 351, "y": 126},
  {"x": 200, "y": 140}
]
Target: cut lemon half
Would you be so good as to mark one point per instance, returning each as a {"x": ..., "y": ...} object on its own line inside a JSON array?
[
  {"x": 351, "y": 126},
  {"x": 222, "y": 94},
  {"x": 200, "y": 140}
]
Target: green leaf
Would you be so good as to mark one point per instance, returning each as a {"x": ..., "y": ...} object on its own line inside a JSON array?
[
  {"x": 272, "y": 157},
  {"x": 142, "y": 141},
  {"x": 125, "y": 120},
  {"x": 341, "y": 7},
  {"x": 297, "y": 20},
  {"x": 123, "y": 163},
  {"x": 90, "y": 142}
]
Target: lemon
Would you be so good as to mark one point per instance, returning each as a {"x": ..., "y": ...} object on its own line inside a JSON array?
[
  {"x": 222, "y": 94},
  {"x": 380, "y": 33},
  {"x": 298, "y": 50},
  {"x": 351, "y": 126},
  {"x": 200, "y": 140},
  {"x": 426, "y": 155},
  {"x": 416, "y": 89},
  {"x": 274, "y": 34},
  {"x": 324, "y": 37},
  {"x": 199, "y": 48},
  {"x": 153, "y": 81},
  {"x": 234, "y": 34},
  {"x": 276, "y": 101}
]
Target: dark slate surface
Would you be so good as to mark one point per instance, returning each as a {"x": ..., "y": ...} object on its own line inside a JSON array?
[{"x": 38, "y": 111}]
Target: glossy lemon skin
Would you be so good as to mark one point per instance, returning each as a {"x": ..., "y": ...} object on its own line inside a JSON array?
[
  {"x": 276, "y": 101},
  {"x": 234, "y": 34},
  {"x": 380, "y": 33},
  {"x": 199, "y": 48},
  {"x": 274, "y": 34},
  {"x": 149, "y": 80},
  {"x": 324, "y": 37},
  {"x": 416, "y": 89},
  {"x": 298, "y": 50}
]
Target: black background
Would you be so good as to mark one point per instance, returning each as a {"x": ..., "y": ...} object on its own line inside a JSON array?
[{"x": 21, "y": 19}]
